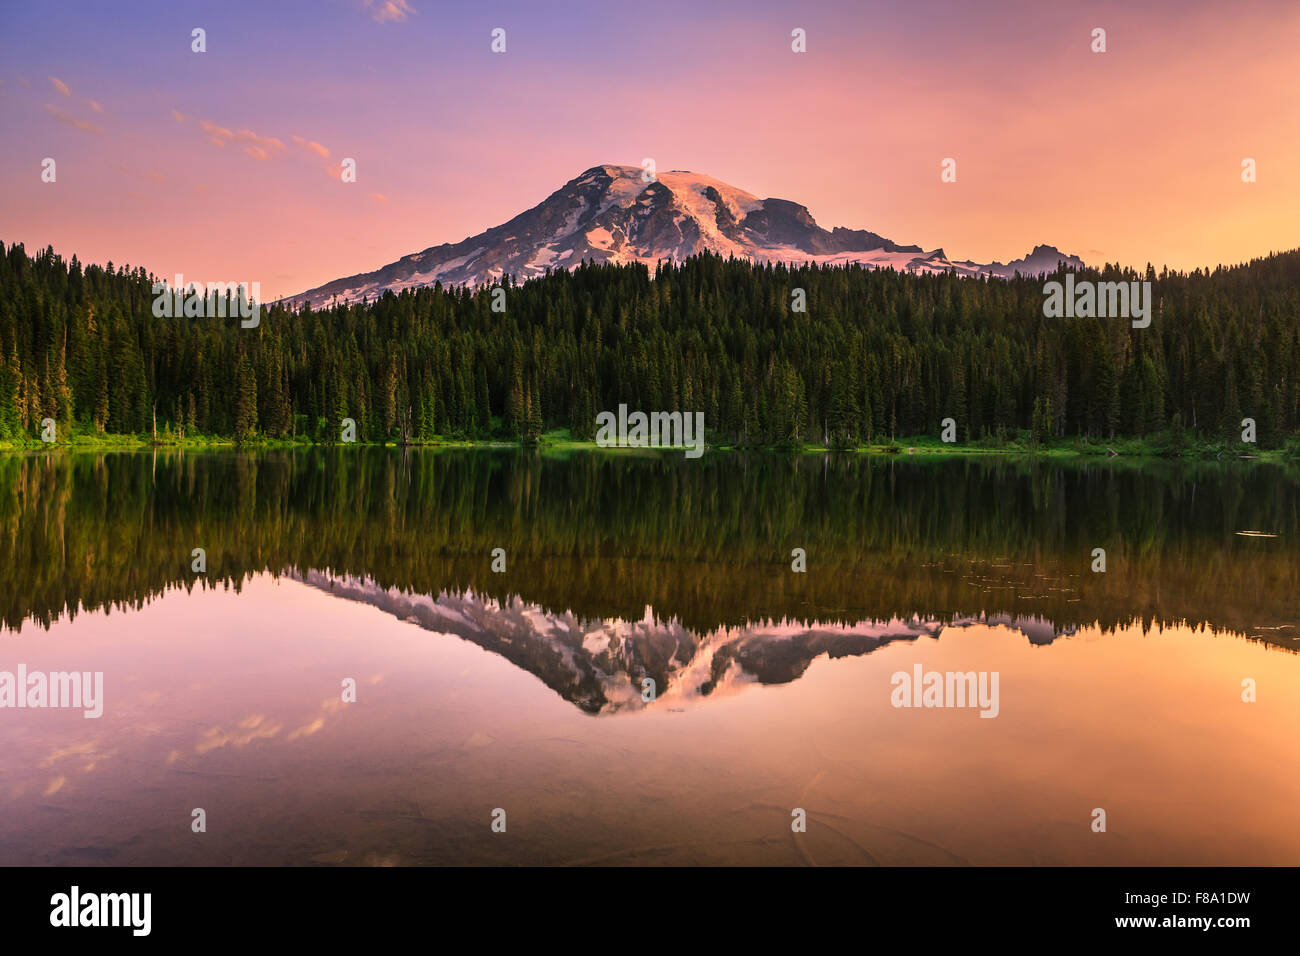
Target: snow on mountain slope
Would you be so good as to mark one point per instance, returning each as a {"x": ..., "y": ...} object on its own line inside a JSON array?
[{"x": 613, "y": 214}]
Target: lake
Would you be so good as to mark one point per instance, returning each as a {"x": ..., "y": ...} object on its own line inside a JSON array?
[{"x": 950, "y": 680}]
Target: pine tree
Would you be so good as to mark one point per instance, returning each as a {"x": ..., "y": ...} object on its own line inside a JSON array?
[{"x": 245, "y": 400}]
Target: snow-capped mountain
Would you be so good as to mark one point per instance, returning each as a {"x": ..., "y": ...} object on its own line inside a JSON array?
[{"x": 613, "y": 214}]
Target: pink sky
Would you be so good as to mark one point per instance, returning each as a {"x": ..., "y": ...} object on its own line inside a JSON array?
[{"x": 1133, "y": 155}]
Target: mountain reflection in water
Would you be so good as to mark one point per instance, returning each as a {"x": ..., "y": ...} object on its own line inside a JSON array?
[
  {"x": 599, "y": 665},
  {"x": 1121, "y": 690}
]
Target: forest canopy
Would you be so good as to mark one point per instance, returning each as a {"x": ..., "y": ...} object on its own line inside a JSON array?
[{"x": 877, "y": 354}]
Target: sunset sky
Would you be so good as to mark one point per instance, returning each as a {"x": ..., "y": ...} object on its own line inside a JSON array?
[{"x": 225, "y": 165}]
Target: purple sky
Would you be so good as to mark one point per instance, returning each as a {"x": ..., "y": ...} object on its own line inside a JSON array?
[{"x": 1131, "y": 155}]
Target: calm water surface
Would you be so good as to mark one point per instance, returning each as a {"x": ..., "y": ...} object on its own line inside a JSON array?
[{"x": 522, "y": 690}]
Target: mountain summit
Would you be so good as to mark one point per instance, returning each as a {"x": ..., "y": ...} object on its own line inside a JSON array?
[{"x": 611, "y": 214}]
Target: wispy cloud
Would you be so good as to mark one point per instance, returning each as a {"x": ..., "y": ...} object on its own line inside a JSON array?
[
  {"x": 77, "y": 749},
  {"x": 95, "y": 106},
  {"x": 252, "y": 727},
  {"x": 258, "y": 147},
  {"x": 178, "y": 116},
  {"x": 264, "y": 143},
  {"x": 386, "y": 11},
  {"x": 72, "y": 121},
  {"x": 331, "y": 705},
  {"x": 212, "y": 129},
  {"x": 314, "y": 146},
  {"x": 60, "y": 86}
]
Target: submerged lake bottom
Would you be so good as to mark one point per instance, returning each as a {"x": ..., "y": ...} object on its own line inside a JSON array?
[{"x": 649, "y": 680}]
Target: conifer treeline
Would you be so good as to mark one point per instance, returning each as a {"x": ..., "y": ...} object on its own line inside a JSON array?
[{"x": 877, "y": 354}]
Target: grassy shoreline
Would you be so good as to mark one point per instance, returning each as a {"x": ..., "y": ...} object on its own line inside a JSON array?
[{"x": 1161, "y": 447}]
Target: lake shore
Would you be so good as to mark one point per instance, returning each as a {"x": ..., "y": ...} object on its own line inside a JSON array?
[{"x": 1162, "y": 447}]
